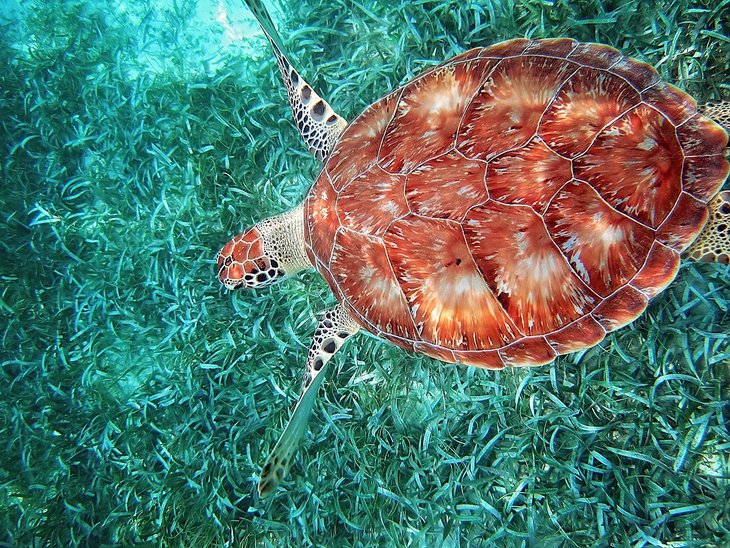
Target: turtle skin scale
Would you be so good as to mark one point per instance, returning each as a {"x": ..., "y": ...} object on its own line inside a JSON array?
[{"x": 515, "y": 203}]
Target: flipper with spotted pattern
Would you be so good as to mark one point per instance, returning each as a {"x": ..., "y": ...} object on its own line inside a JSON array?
[
  {"x": 713, "y": 243},
  {"x": 319, "y": 125},
  {"x": 718, "y": 111},
  {"x": 335, "y": 326}
]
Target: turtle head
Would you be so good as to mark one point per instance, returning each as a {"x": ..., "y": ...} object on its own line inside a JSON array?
[
  {"x": 265, "y": 253},
  {"x": 243, "y": 263}
]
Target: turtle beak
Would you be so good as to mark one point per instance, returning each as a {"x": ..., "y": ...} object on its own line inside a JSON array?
[{"x": 229, "y": 273}]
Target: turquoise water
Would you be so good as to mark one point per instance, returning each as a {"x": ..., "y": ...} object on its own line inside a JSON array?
[{"x": 140, "y": 400}]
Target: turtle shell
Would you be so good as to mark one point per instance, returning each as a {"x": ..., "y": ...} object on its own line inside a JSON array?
[{"x": 514, "y": 203}]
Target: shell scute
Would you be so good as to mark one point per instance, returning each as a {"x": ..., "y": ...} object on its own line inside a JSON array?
[
  {"x": 487, "y": 359},
  {"x": 438, "y": 352},
  {"x": 372, "y": 200},
  {"x": 529, "y": 175},
  {"x": 524, "y": 268},
  {"x": 589, "y": 101},
  {"x": 658, "y": 271},
  {"x": 621, "y": 308},
  {"x": 604, "y": 247},
  {"x": 321, "y": 212},
  {"x": 428, "y": 113},
  {"x": 700, "y": 136},
  {"x": 671, "y": 101},
  {"x": 557, "y": 47},
  {"x": 509, "y": 106},
  {"x": 704, "y": 179},
  {"x": 433, "y": 263},
  {"x": 363, "y": 272},
  {"x": 528, "y": 351},
  {"x": 636, "y": 163},
  {"x": 447, "y": 186},
  {"x": 684, "y": 223},
  {"x": 358, "y": 148},
  {"x": 582, "y": 333},
  {"x": 598, "y": 56},
  {"x": 641, "y": 75}
]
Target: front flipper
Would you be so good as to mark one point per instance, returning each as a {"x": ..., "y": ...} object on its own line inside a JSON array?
[
  {"x": 335, "y": 326},
  {"x": 318, "y": 123}
]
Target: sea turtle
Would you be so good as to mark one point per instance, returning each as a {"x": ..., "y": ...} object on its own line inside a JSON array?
[{"x": 515, "y": 203}]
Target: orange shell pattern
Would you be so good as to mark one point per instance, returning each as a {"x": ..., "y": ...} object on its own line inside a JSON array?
[{"x": 515, "y": 203}]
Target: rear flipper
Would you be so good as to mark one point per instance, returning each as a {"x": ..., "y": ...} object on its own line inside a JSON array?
[
  {"x": 713, "y": 243},
  {"x": 718, "y": 111},
  {"x": 335, "y": 325}
]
